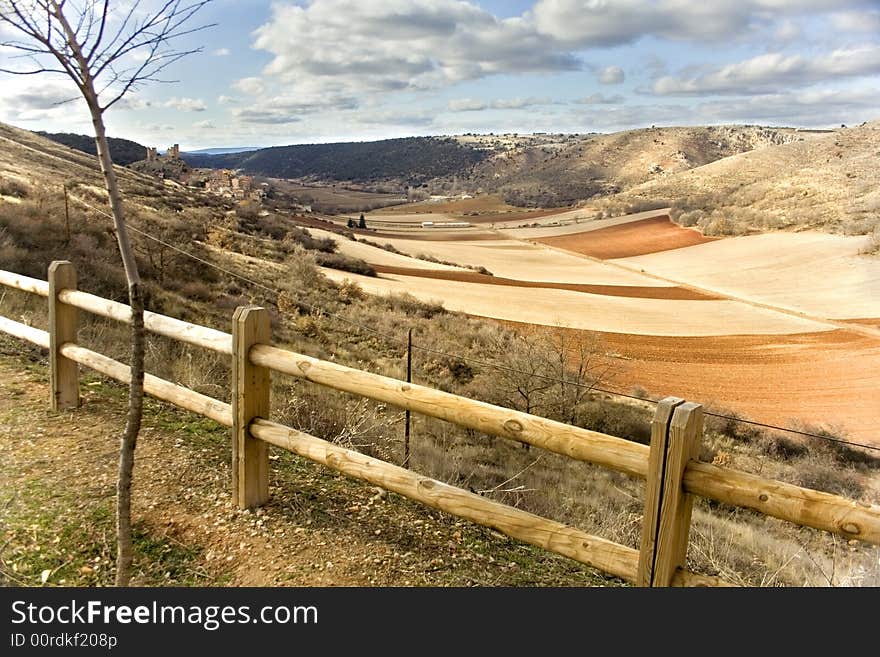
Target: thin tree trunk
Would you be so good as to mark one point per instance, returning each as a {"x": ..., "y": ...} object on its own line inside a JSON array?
[
  {"x": 124, "y": 553},
  {"x": 82, "y": 54}
]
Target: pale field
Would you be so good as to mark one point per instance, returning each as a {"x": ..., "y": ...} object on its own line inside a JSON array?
[
  {"x": 770, "y": 363},
  {"x": 594, "y": 312},
  {"x": 815, "y": 273},
  {"x": 524, "y": 261},
  {"x": 377, "y": 256}
]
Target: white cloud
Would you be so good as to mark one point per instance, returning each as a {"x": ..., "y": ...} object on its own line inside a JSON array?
[
  {"x": 291, "y": 108},
  {"x": 807, "y": 108},
  {"x": 401, "y": 44},
  {"x": 204, "y": 125},
  {"x": 45, "y": 97},
  {"x": 221, "y": 52},
  {"x": 476, "y": 105},
  {"x": 185, "y": 104},
  {"x": 269, "y": 117},
  {"x": 786, "y": 31},
  {"x": 467, "y": 105},
  {"x": 393, "y": 118},
  {"x": 611, "y": 75},
  {"x": 520, "y": 103},
  {"x": 133, "y": 103},
  {"x": 250, "y": 86},
  {"x": 228, "y": 100},
  {"x": 598, "y": 23},
  {"x": 857, "y": 21},
  {"x": 768, "y": 72},
  {"x": 23, "y": 100},
  {"x": 601, "y": 99}
]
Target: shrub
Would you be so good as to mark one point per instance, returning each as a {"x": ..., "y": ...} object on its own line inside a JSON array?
[
  {"x": 197, "y": 290},
  {"x": 12, "y": 188},
  {"x": 733, "y": 427},
  {"x": 344, "y": 263},
  {"x": 304, "y": 238},
  {"x": 618, "y": 420},
  {"x": 409, "y": 305},
  {"x": 829, "y": 479},
  {"x": 782, "y": 448}
]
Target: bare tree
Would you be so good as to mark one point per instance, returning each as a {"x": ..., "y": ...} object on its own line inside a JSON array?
[
  {"x": 577, "y": 363},
  {"x": 522, "y": 380},
  {"x": 107, "y": 49},
  {"x": 549, "y": 371}
]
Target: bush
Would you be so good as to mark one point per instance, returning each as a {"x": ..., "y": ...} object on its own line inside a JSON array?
[
  {"x": 409, "y": 305},
  {"x": 830, "y": 479},
  {"x": 782, "y": 448},
  {"x": 733, "y": 427},
  {"x": 344, "y": 263},
  {"x": 619, "y": 420},
  {"x": 304, "y": 238},
  {"x": 12, "y": 188}
]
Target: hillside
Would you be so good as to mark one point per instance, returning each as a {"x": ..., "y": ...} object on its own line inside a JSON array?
[
  {"x": 408, "y": 161},
  {"x": 829, "y": 182},
  {"x": 577, "y": 168},
  {"x": 184, "y": 513},
  {"x": 124, "y": 151}
]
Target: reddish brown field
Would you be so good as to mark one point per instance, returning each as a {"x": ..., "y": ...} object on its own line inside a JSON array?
[
  {"x": 630, "y": 239},
  {"x": 825, "y": 379},
  {"x": 640, "y": 292}
]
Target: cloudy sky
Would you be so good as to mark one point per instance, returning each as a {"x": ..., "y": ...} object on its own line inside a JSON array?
[{"x": 286, "y": 72}]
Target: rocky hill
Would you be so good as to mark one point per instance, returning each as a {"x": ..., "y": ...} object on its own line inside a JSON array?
[
  {"x": 571, "y": 169},
  {"x": 829, "y": 181}
]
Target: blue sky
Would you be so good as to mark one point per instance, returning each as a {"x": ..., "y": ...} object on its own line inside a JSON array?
[{"x": 286, "y": 72}]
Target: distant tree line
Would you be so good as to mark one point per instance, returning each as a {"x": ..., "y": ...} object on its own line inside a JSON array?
[
  {"x": 123, "y": 151},
  {"x": 411, "y": 160}
]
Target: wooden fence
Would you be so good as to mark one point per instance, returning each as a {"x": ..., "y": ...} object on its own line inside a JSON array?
[{"x": 669, "y": 466}]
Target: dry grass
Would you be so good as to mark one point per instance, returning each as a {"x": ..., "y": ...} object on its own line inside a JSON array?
[
  {"x": 742, "y": 546},
  {"x": 827, "y": 183},
  {"x": 738, "y": 545}
]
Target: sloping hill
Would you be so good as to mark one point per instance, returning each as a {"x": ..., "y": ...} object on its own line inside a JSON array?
[
  {"x": 124, "y": 151},
  {"x": 570, "y": 170},
  {"x": 827, "y": 181},
  {"x": 409, "y": 161}
]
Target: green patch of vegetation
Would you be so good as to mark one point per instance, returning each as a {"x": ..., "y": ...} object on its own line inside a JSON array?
[
  {"x": 123, "y": 151},
  {"x": 55, "y": 538}
]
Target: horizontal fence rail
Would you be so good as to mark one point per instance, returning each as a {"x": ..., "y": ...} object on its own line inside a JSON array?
[
  {"x": 155, "y": 323},
  {"x": 24, "y": 283},
  {"x": 219, "y": 411},
  {"x": 25, "y": 332},
  {"x": 673, "y": 475},
  {"x": 581, "y": 444}
]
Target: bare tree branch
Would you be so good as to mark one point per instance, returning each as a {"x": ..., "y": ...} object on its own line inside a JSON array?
[{"x": 78, "y": 46}]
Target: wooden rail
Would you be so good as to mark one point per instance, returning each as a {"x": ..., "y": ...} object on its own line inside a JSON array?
[
  {"x": 155, "y": 323},
  {"x": 581, "y": 444},
  {"x": 670, "y": 465}
]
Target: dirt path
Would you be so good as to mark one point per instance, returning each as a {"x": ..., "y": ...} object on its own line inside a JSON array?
[{"x": 57, "y": 477}]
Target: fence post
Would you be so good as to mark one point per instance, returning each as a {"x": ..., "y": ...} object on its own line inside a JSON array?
[
  {"x": 408, "y": 415},
  {"x": 63, "y": 320},
  {"x": 250, "y": 399},
  {"x": 675, "y": 439}
]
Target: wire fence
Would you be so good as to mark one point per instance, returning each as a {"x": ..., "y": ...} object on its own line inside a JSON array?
[{"x": 462, "y": 357}]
